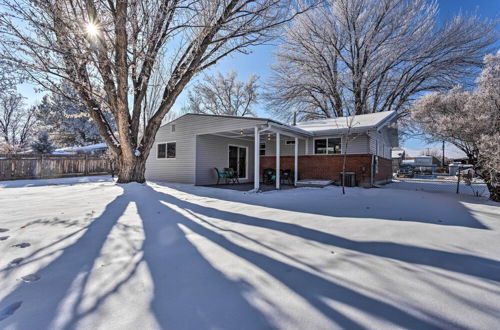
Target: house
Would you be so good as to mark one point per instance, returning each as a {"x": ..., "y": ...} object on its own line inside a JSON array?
[
  {"x": 188, "y": 148},
  {"x": 423, "y": 164},
  {"x": 397, "y": 155}
]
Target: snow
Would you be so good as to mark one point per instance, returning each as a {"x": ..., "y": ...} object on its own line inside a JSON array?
[
  {"x": 397, "y": 153},
  {"x": 75, "y": 149},
  {"x": 108, "y": 256},
  {"x": 360, "y": 122}
]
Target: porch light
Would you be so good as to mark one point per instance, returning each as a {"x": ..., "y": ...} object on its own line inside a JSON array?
[
  {"x": 268, "y": 137},
  {"x": 241, "y": 132}
]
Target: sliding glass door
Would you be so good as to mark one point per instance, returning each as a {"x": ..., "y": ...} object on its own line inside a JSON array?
[{"x": 238, "y": 160}]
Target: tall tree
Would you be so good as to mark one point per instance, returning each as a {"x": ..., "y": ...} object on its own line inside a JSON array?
[
  {"x": 223, "y": 95},
  {"x": 365, "y": 56},
  {"x": 108, "y": 51},
  {"x": 470, "y": 120},
  {"x": 16, "y": 122},
  {"x": 67, "y": 119}
]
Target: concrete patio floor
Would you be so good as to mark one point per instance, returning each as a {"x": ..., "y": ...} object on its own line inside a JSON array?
[{"x": 249, "y": 186}]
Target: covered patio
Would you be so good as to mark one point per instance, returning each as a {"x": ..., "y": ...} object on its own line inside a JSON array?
[
  {"x": 250, "y": 186},
  {"x": 248, "y": 144}
]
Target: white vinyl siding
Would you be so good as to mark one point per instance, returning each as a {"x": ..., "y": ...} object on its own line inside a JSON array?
[
  {"x": 380, "y": 143},
  {"x": 285, "y": 149},
  {"x": 182, "y": 168},
  {"x": 357, "y": 144},
  {"x": 213, "y": 151}
]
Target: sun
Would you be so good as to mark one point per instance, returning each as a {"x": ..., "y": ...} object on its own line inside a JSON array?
[{"x": 92, "y": 29}]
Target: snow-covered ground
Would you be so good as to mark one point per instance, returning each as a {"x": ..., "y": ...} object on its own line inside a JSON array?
[{"x": 105, "y": 256}]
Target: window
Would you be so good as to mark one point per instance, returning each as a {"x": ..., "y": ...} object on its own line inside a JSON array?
[
  {"x": 262, "y": 149},
  {"x": 288, "y": 142},
  {"x": 166, "y": 150},
  {"x": 173, "y": 128},
  {"x": 327, "y": 146},
  {"x": 238, "y": 160},
  {"x": 171, "y": 148},
  {"x": 162, "y": 150}
]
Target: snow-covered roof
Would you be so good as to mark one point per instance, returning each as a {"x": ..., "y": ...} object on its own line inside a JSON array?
[
  {"x": 408, "y": 162},
  {"x": 74, "y": 149},
  {"x": 294, "y": 129},
  {"x": 338, "y": 125},
  {"x": 397, "y": 153}
]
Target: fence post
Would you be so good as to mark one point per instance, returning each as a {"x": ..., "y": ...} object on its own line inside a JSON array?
[
  {"x": 41, "y": 167},
  {"x": 11, "y": 167},
  {"x": 85, "y": 167},
  {"x": 458, "y": 182}
]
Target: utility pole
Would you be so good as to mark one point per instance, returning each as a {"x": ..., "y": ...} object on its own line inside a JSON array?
[{"x": 443, "y": 156}]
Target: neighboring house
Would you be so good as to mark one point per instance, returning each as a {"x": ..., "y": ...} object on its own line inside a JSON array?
[
  {"x": 397, "y": 155},
  {"x": 423, "y": 164},
  {"x": 455, "y": 167},
  {"x": 188, "y": 148}
]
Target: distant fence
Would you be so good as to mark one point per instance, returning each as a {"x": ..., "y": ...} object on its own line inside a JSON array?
[{"x": 24, "y": 166}]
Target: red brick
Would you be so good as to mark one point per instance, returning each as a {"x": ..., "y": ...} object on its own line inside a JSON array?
[{"x": 328, "y": 167}]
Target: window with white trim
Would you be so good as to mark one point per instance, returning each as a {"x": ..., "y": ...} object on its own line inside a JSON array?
[
  {"x": 166, "y": 150},
  {"x": 328, "y": 146},
  {"x": 262, "y": 150}
]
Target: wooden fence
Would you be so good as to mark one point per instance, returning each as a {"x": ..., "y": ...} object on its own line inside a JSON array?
[{"x": 24, "y": 166}]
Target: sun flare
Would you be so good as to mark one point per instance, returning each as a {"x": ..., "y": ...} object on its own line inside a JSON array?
[{"x": 92, "y": 29}]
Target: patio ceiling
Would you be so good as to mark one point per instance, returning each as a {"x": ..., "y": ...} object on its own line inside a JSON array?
[{"x": 248, "y": 133}]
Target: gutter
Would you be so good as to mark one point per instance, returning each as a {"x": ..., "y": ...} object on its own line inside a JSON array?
[
  {"x": 385, "y": 121},
  {"x": 289, "y": 129}
]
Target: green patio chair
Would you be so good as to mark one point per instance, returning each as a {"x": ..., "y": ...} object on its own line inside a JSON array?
[
  {"x": 269, "y": 176},
  {"x": 220, "y": 175}
]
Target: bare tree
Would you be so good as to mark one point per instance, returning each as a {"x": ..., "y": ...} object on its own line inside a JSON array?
[
  {"x": 109, "y": 51},
  {"x": 16, "y": 122},
  {"x": 470, "y": 120},
  {"x": 223, "y": 95},
  {"x": 365, "y": 56}
]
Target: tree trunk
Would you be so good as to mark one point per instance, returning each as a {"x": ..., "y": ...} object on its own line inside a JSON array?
[
  {"x": 494, "y": 191},
  {"x": 131, "y": 169}
]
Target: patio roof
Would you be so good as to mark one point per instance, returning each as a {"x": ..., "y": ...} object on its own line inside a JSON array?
[
  {"x": 359, "y": 123},
  {"x": 272, "y": 124},
  {"x": 340, "y": 125}
]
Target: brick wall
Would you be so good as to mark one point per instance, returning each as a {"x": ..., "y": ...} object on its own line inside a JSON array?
[
  {"x": 328, "y": 167},
  {"x": 384, "y": 170}
]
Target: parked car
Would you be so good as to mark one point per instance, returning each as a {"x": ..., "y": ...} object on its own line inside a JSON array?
[{"x": 405, "y": 172}]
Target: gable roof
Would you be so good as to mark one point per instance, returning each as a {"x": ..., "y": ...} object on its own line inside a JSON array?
[
  {"x": 290, "y": 128},
  {"x": 358, "y": 123}
]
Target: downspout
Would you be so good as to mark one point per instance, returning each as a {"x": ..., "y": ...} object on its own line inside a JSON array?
[{"x": 372, "y": 168}]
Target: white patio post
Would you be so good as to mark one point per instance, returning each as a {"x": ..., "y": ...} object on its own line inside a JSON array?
[
  {"x": 256, "y": 176},
  {"x": 296, "y": 162},
  {"x": 277, "y": 160}
]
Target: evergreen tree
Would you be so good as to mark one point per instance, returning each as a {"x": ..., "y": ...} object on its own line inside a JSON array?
[
  {"x": 67, "y": 119},
  {"x": 43, "y": 145}
]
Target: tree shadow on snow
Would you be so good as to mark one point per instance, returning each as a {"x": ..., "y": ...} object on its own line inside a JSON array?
[
  {"x": 190, "y": 293},
  {"x": 378, "y": 204}
]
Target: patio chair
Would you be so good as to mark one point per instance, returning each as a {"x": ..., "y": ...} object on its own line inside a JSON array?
[
  {"x": 231, "y": 175},
  {"x": 220, "y": 175},
  {"x": 269, "y": 176},
  {"x": 286, "y": 176}
]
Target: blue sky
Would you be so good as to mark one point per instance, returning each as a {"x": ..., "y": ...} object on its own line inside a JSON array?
[{"x": 261, "y": 58}]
